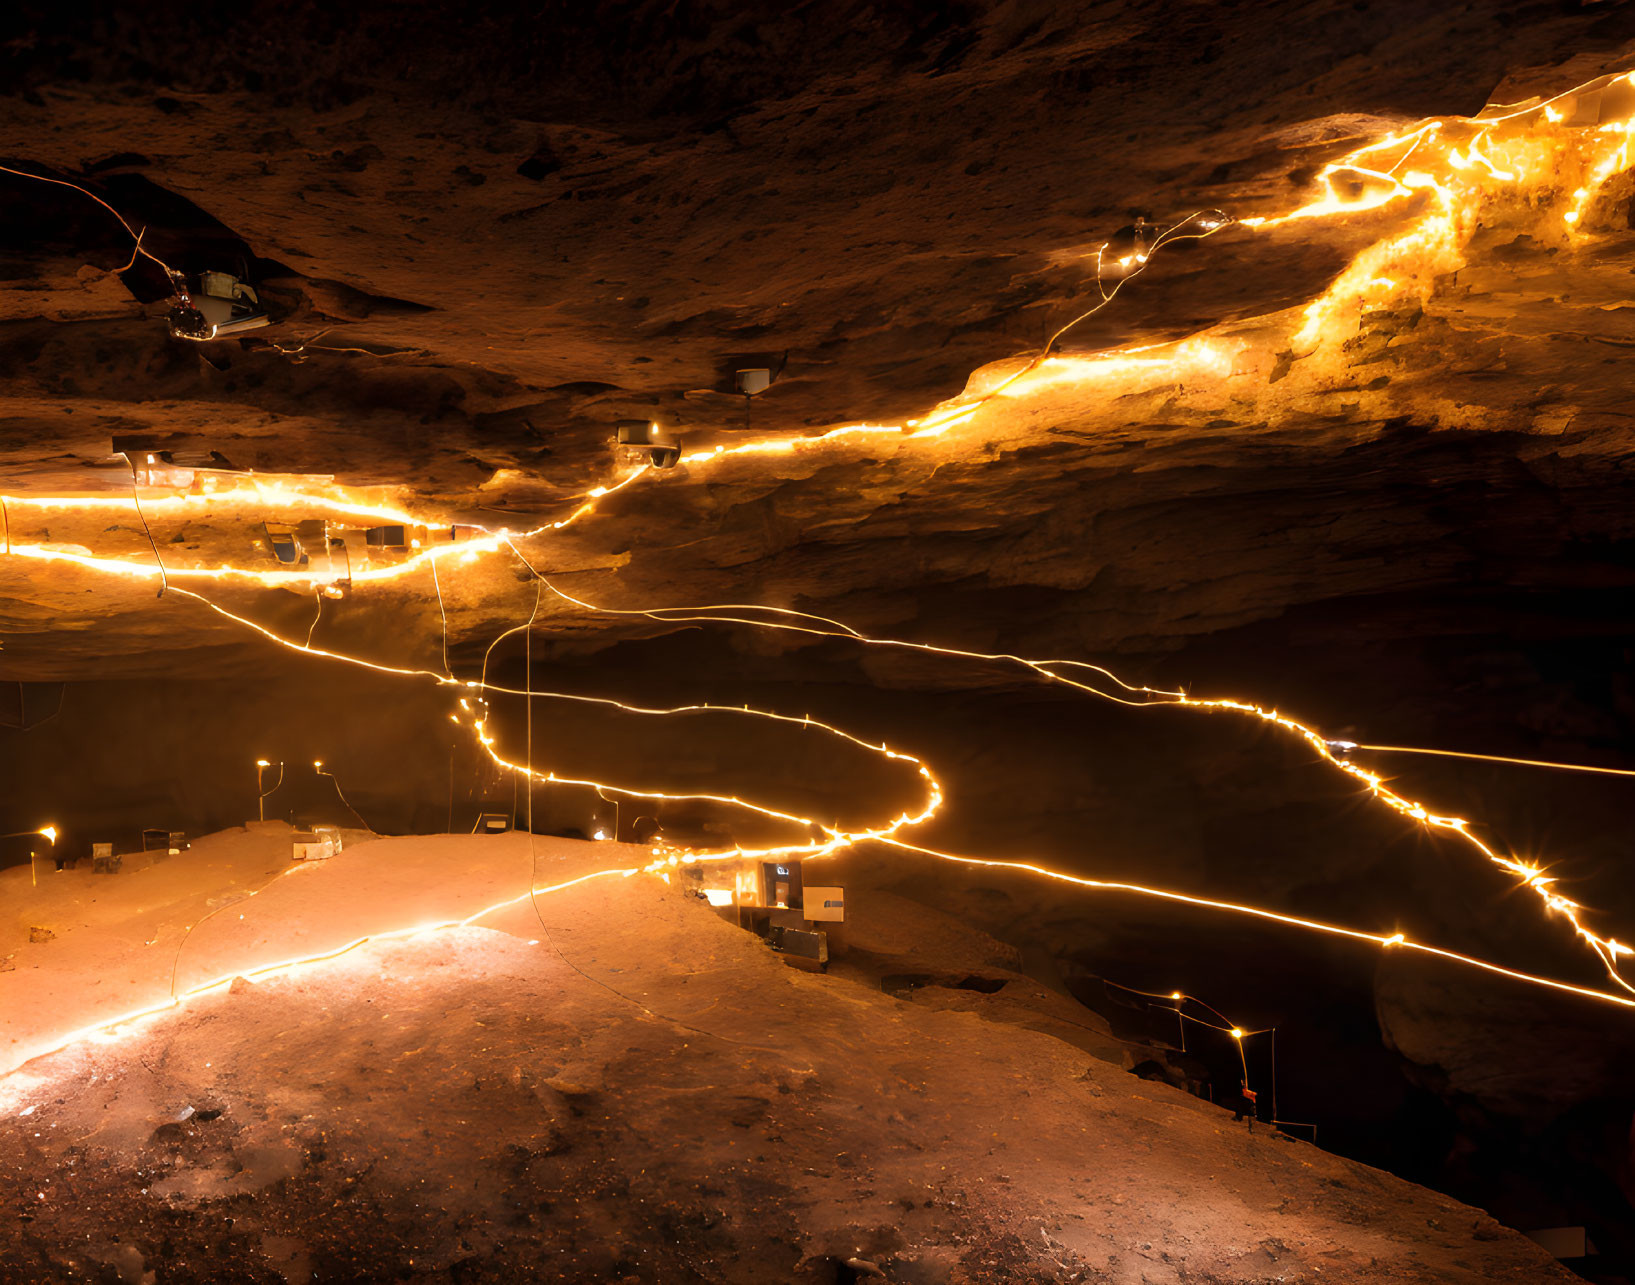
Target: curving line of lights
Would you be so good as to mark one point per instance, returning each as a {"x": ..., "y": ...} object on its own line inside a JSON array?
[
  {"x": 1607, "y": 950},
  {"x": 1436, "y": 236}
]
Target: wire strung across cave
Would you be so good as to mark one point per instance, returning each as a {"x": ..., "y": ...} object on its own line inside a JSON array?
[
  {"x": 836, "y": 840},
  {"x": 138, "y": 250},
  {"x": 1349, "y": 287}
]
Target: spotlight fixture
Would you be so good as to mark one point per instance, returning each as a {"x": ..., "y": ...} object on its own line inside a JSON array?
[
  {"x": 222, "y": 306},
  {"x": 755, "y": 380},
  {"x": 644, "y": 442},
  {"x": 261, "y": 766}
]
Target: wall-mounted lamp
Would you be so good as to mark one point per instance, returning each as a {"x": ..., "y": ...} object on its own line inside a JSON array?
[{"x": 261, "y": 766}]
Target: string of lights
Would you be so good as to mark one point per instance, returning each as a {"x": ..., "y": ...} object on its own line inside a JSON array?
[
  {"x": 1479, "y": 160},
  {"x": 1607, "y": 949},
  {"x": 836, "y": 840}
]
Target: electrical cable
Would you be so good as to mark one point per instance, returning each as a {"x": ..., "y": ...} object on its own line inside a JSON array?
[
  {"x": 262, "y": 796},
  {"x": 442, "y": 614},
  {"x": 136, "y": 237},
  {"x": 1171, "y": 233},
  {"x": 319, "y": 769},
  {"x": 533, "y": 856},
  {"x": 1496, "y": 758},
  {"x": 1609, "y": 949},
  {"x": 164, "y": 578}
]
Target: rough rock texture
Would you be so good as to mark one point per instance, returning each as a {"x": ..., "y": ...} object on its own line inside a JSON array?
[
  {"x": 486, "y": 237},
  {"x": 638, "y": 1090}
]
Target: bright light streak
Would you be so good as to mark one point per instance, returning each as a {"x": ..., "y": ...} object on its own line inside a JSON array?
[
  {"x": 1606, "y": 949},
  {"x": 464, "y": 551},
  {"x": 112, "y": 1029},
  {"x": 1486, "y": 758},
  {"x": 1602, "y": 947},
  {"x": 246, "y": 492},
  {"x": 1395, "y": 940},
  {"x": 1462, "y": 164}
]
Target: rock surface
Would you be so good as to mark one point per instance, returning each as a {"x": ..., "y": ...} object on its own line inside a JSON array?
[
  {"x": 486, "y": 238},
  {"x": 636, "y": 1089}
]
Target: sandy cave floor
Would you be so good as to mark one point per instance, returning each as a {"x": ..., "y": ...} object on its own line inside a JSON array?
[{"x": 637, "y": 1090}]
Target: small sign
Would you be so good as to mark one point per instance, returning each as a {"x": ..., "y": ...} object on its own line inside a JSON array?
[{"x": 825, "y": 904}]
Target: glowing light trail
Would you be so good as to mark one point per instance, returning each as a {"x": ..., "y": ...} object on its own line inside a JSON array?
[
  {"x": 113, "y": 1028},
  {"x": 1607, "y": 950},
  {"x": 1476, "y": 156},
  {"x": 1395, "y": 940},
  {"x": 250, "y": 492},
  {"x": 934, "y": 795},
  {"x": 306, "y": 581},
  {"x": 1493, "y": 758}
]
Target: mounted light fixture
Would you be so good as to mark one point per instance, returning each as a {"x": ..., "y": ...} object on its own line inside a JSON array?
[
  {"x": 756, "y": 379},
  {"x": 644, "y": 442},
  {"x": 221, "y": 306},
  {"x": 261, "y": 766}
]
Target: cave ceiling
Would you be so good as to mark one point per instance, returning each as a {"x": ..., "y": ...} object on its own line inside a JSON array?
[
  {"x": 1370, "y": 466},
  {"x": 481, "y": 251}
]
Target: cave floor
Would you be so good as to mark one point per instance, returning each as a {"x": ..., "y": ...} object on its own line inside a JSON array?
[{"x": 625, "y": 1086}]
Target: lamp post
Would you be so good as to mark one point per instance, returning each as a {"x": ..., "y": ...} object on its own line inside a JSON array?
[
  {"x": 50, "y": 833},
  {"x": 261, "y": 766}
]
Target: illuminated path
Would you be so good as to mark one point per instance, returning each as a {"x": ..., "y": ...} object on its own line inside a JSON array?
[
  {"x": 312, "y": 913},
  {"x": 1454, "y": 168}
]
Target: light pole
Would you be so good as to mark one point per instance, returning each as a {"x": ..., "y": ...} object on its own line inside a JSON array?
[
  {"x": 615, "y": 803},
  {"x": 261, "y": 766},
  {"x": 50, "y": 833}
]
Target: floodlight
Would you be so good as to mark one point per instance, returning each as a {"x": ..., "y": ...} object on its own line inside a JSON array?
[
  {"x": 756, "y": 380},
  {"x": 642, "y": 441}
]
